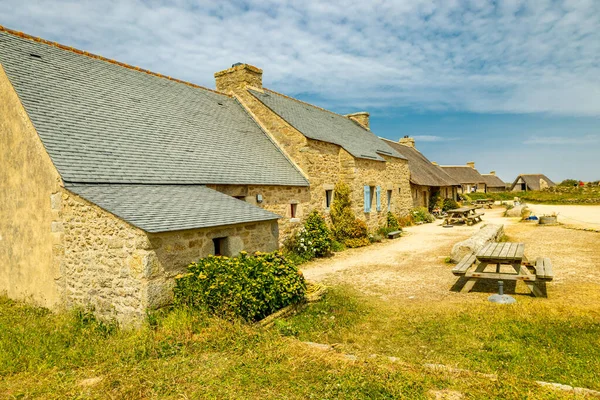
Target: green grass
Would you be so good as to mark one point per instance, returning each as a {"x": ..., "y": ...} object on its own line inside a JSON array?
[
  {"x": 185, "y": 354},
  {"x": 556, "y": 195}
]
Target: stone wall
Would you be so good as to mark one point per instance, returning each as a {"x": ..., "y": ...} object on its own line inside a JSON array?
[
  {"x": 120, "y": 270},
  {"x": 29, "y": 238}
]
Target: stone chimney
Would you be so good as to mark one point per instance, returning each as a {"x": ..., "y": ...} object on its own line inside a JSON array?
[
  {"x": 471, "y": 164},
  {"x": 238, "y": 77},
  {"x": 493, "y": 173},
  {"x": 361, "y": 117},
  {"x": 407, "y": 141}
]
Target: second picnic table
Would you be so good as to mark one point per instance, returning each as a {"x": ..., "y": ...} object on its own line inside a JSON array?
[
  {"x": 503, "y": 254},
  {"x": 468, "y": 215},
  {"x": 485, "y": 202}
]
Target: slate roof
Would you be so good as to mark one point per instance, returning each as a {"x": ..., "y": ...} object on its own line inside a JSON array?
[
  {"x": 102, "y": 122},
  {"x": 464, "y": 174},
  {"x": 422, "y": 171},
  {"x": 493, "y": 181},
  {"x": 326, "y": 126},
  {"x": 533, "y": 181},
  {"x": 162, "y": 208}
]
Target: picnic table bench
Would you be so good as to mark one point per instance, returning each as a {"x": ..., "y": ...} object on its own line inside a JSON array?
[
  {"x": 473, "y": 266},
  {"x": 485, "y": 202},
  {"x": 467, "y": 215}
]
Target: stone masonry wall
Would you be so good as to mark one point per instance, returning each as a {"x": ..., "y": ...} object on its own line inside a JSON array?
[
  {"x": 120, "y": 270},
  {"x": 325, "y": 164},
  {"x": 29, "y": 242}
]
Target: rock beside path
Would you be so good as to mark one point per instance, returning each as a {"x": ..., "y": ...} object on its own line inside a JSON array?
[{"x": 487, "y": 234}]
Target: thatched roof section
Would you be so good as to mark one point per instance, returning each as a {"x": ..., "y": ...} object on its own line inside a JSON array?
[
  {"x": 492, "y": 181},
  {"x": 533, "y": 181},
  {"x": 422, "y": 171},
  {"x": 464, "y": 174}
]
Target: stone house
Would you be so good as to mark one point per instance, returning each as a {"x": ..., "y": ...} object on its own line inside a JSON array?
[
  {"x": 108, "y": 177},
  {"x": 527, "y": 182},
  {"x": 114, "y": 178},
  {"x": 327, "y": 147},
  {"x": 427, "y": 179},
  {"x": 468, "y": 177},
  {"x": 493, "y": 184}
]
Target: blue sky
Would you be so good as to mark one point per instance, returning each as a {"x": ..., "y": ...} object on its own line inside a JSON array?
[{"x": 512, "y": 85}]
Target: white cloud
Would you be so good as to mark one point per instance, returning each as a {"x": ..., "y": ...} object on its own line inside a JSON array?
[
  {"x": 516, "y": 56},
  {"x": 563, "y": 140}
]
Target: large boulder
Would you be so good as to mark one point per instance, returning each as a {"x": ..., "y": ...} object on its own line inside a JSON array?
[
  {"x": 488, "y": 233},
  {"x": 518, "y": 211}
]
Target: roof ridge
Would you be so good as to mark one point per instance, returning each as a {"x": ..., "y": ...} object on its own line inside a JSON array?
[
  {"x": 99, "y": 57},
  {"x": 308, "y": 104}
]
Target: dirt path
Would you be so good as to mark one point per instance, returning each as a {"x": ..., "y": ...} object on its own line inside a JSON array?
[
  {"x": 412, "y": 268},
  {"x": 398, "y": 267}
]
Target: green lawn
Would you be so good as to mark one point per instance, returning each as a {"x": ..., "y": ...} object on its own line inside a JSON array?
[
  {"x": 190, "y": 355},
  {"x": 556, "y": 195}
]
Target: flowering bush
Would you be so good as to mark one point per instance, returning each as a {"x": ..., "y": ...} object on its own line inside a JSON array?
[
  {"x": 314, "y": 239},
  {"x": 421, "y": 214},
  {"x": 248, "y": 287}
]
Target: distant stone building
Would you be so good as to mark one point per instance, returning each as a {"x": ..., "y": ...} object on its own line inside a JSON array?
[
  {"x": 427, "y": 179},
  {"x": 493, "y": 184},
  {"x": 469, "y": 178},
  {"x": 527, "y": 182},
  {"x": 115, "y": 178}
]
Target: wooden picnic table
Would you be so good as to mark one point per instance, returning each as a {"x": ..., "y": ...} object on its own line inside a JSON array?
[
  {"x": 467, "y": 215},
  {"x": 485, "y": 202},
  {"x": 473, "y": 266}
]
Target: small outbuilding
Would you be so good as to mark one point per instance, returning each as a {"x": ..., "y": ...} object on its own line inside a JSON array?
[
  {"x": 469, "y": 178},
  {"x": 493, "y": 184},
  {"x": 527, "y": 182}
]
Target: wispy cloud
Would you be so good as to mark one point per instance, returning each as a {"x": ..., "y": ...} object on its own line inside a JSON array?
[
  {"x": 483, "y": 56},
  {"x": 432, "y": 138},
  {"x": 563, "y": 140}
]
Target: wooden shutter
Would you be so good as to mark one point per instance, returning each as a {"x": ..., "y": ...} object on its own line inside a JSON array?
[
  {"x": 378, "y": 197},
  {"x": 367, "y": 199}
]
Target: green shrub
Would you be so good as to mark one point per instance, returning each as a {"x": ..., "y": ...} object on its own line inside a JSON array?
[
  {"x": 336, "y": 246},
  {"x": 345, "y": 225},
  {"x": 392, "y": 221},
  {"x": 449, "y": 204},
  {"x": 435, "y": 201},
  {"x": 421, "y": 214},
  {"x": 376, "y": 237},
  {"x": 569, "y": 183},
  {"x": 312, "y": 240},
  {"x": 247, "y": 287},
  {"x": 392, "y": 225}
]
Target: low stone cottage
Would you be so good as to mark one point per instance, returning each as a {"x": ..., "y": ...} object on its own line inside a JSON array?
[
  {"x": 527, "y": 182},
  {"x": 468, "y": 177},
  {"x": 426, "y": 178},
  {"x": 114, "y": 178},
  {"x": 327, "y": 147},
  {"x": 493, "y": 184},
  {"x": 108, "y": 177}
]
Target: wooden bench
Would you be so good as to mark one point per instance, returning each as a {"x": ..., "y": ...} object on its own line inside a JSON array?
[
  {"x": 543, "y": 269},
  {"x": 464, "y": 264},
  {"x": 394, "y": 235}
]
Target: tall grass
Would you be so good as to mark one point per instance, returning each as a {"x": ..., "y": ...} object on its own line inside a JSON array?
[{"x": 186, "y": 354}]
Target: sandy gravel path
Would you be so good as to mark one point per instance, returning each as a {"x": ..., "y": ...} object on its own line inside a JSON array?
[
  {"x": 428, "y": 240},
  {"x": 580, "y": 216}
]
